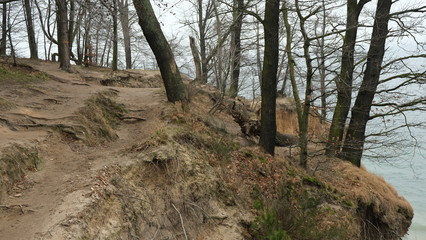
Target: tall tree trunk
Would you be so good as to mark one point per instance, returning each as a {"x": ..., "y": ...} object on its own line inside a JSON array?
[
  {"x": 30, "y": 30},
  {"x": 3, "y": 44},
  {"x": 202, "y": 32},
  {"x": 303, "y": 126},
  {"x": 268, "y": 126},
  {"x": 236, "y": 46},
  {"x": 63, "y": 42},
  {"x": 322, "y": 68},
  {"x": 355, "y": 136},
  {"x": 344, "y": 81},
  {"x": 197, "y": 61},
  {"x": 124, "y": 19},
  {"x": 291, "y": 64},
  {"x": 258, "y": 55},
  {"x": 71, "y": 28},
  {"x": 172, "y": 79},
  {"x": 115, "y": 36}
]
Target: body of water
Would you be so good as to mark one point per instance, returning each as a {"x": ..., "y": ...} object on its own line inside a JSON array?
[{"x": 409, "y": 179}]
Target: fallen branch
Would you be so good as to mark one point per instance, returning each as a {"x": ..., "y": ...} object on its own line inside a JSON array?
[
  {"x": 132, "y": 118},
  {"x": 80, "y": 84},
  {"x": 14, "y": 206},
  {"x": 181, "y": 221}
]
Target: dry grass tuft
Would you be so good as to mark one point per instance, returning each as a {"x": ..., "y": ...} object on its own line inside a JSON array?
[
  {"x": 15, "y": 161},
  {"x": 100, "y": 117},
  {"x": 5, "y": 104}
]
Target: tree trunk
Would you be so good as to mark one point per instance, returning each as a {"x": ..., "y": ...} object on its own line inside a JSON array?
[
  {"x": 303, "y": 124},
  {"x": 355, "y": 136},
  {"x": 197, "y": 61},
  {"x": 30, "y": 30},
  {"x": 258, "y": 56},
  {"x": 172, "y": 79},
  {"x": 63, "y": 43},
  {"x": 202, "y": 32},
  {"x": 322, "y": 68},
  {"x": 115, "y": 36},
  {"x": 344, "y": 81},
  {"x": 268, "y": 126},
  {"x": 3, "y": 44},
  {"x": 124, "y": 19},
  {"x": 71, "y": 33},
  {"x": 236, "y": 47}
]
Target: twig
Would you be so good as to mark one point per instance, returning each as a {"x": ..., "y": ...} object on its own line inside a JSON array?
[
  {"x": 181, "y": 221},
  {"x": 14, "y": 205},
  {"x": 80, "y": 84},
  {"x": 132, "y": 118},
  {"x": 155, "y": 234}
]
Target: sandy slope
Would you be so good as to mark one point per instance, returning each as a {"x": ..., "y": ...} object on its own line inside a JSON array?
[{"x": 60, "y": 187}]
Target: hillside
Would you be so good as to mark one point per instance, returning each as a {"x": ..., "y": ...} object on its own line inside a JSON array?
[{"x": 100, "y": 155}]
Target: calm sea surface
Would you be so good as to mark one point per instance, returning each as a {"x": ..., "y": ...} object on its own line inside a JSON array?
[{"x": 409, "y": 179}]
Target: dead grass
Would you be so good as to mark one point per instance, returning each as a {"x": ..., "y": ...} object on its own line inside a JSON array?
[
  {"x": 380, "y": 207},
  {"x": 5, "y": 104},
  {"x": 15, "y": 162},
  {"x": 100, "y": 117}
]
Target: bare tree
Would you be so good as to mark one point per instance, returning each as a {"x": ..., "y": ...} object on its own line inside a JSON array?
[
  {"x": 355, "y": 136},
  {"x": 3, "y": 44},
  {"x": 268, "y": 126},
  {"x": 113, "y": 10},
  {"x": 238, "y": 9},
  {"x": 345, "y": 79},
  {"x": 30, "y": 30},
  {"x": 63, "y": 43},
  {"x": 123, "y": 6},
  {"x": 151, "y": 28}
]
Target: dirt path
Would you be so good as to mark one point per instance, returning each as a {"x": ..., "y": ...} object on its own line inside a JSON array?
[{"x": 63, "y": 184}]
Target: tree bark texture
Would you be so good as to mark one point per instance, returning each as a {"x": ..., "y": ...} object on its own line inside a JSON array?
[
  {"x": 151, "y": 28},
  {"x": 268, "y": 126},
  {"x": 63, "y": 42},
  {"x": 3, "y": 44},
  {"x": 304, "y": 120},
  {"x": 30, "y": 30},
  {"x": 125, "y": 26},
  {"x": 202, "y": 22},
  {"x": 196, "y": 57},
  {"x": 236, "y": 47},
  {"x": 355, "y": 136},
  {"x": 345, "y": 78},
  {"x": 114, "y": 36}
]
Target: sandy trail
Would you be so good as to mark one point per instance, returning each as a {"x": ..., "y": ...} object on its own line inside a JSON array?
[{"x": 62, "y": 185}]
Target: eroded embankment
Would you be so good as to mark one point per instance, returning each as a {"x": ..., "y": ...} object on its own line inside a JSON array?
[
  {"x": 192, "y": 180},
  {"x": 185, "y": 174}
]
